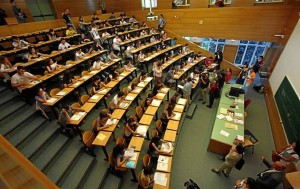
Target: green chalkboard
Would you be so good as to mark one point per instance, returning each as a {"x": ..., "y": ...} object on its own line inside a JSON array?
[{"x": 288, "y": 105}]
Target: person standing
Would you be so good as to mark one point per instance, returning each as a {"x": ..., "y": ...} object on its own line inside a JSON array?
[
  {"x": 258, "y": 64},
  {"x": 213, "y": 91},
  {"x": 231, "y": 159},
  {"x": 67, "y": 18},
  {"x": 218, "y": 58},
  {"x": 19, "y": 13},
  {"x": 249, "y": 80},
  {"x": 187, "y": 89},
  {"x": 161, "y": 23},
  {"x": 204, "y": 82}
]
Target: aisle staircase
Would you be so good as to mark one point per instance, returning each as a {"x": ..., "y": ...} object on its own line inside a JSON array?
[{"x": 60, "y": 158}]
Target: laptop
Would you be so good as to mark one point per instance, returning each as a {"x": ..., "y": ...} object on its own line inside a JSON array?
[{"x": 234, "y": 91}]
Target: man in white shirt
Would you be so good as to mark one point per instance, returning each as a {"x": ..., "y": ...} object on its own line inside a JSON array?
[
  {"x": 187, "y": 89},
  {"x": 18, "y": 43},
  {"x": 63, "y": 45},
  {"x": 128, "y": 51},
  {"x": 79, "y": 54},
  {"x": 116, "y": 43},
  {"x": 21, "y": 78},
  {"x": 117, "y": 100},
  {"x": 95, "y": 34},
  {"x": 98, "y": 63},
  {"x": 112, "y": 56}
]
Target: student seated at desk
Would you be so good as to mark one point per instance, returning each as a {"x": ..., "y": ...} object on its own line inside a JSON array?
[
  {"x": 129, "y": 130},
  {"x": 156, "y": 88},
  {"x": 143, "y": 33},
  {"x": 68, "y": 79},
  {"x": 97, "y": 47},
  {"x": 41, "y": 97},
  {"x": 70, "y": 31},
  {"x": 145, "y": 179},
  {"x": 64, "y": 118},
  {"x": 19, "y": 43},
  {"x": 131, "y": 87},
  {"x": 148, "y": 101},
  {"x": 113, "y": 75},
  {"x": 128, "y": 53},
  {"x": 95, "y": 17},
  {"x": 97, "y": 85},
  {"x": 142, "y": 77},
  {"x": 118, "y": 98},
  {"x": 118, "y": 159},
  {"x": 101, "y": 122},
  {"x": 79, "y": 54},
  {"x": 51, "y": 35},
  {"x": 155, "y": 148},
  {"x": 5, "y": 66},
  {"x": 173, "y": 100},
  {"x": 166, "y": 115},
  {"x": 112, "y": 56},
  {"x": 116, "y": 43},
  {"x": 21, "y": 78},
  {"x": 144, "y": 25},
  {"x": 83, "y": 39},
  {"x": 63, "y": 45},
  {"x": 33, "y": 54},
  {"x": 51, "y": 66}
]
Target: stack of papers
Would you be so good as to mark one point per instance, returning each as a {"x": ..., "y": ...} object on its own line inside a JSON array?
[
  {"x": 124, "y": 104},
  {"x": 101, "y": 136},
  {"x": 129, "y": 98},
  {"x": 167, "y": 147},
  {"x": 239, "y": 121},
  {"x": 76, "y": 117},
  {"x": 148, "y": 79},
  {"x": 231, "y": 126},
  {"x": 223, "y": 111},
  {"x": 220, "y": 116},
  {"x": 155, "y": 102},
  {"x": 111, "y": 122},
  {"x": 224, "y": 133},
  {"x": 95, "y": 97},
  {"x": 182, "y": 101},
  {"x": 160, "y": 178},
  {"x": 141, "y": 84},
  {"x": 142, "y": 129}
]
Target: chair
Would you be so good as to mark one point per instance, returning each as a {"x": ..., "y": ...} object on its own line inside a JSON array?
[
  {"x": 39, "y": 108},
  {"x": 154, "y": 133},
  {"x": 121, "y": 140},
  {"x": 68, "y": 62},
  {"x": 106, "y": 111},
  {"x": 159, "y": 126},
  {"x": 146, "y": 160},
  {"x": 139, "y": 112},
  {"x": 83, "y": 73},
  {"x": 54, "y": 91},
  {"x": 133, "y": 117},
  {"x": 143, "y": 103},
  {"x": 121, "y": 70},
  {"x": 87, "y": 138},
  {"x": 250, "y": 140},
  {"x": 125, "y": 90},
  {"x": 76, "y": 105},
  {"x": 84, "y": 99}
]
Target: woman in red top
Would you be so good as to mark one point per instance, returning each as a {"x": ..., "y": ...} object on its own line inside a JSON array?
[
  {"x": 209, "y": 61},
  {"x": 228, "y": 75},
  {"x": 213, "y": 91}
]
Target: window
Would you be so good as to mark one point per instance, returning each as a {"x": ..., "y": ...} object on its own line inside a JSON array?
[
  {"x": 212, "y": 45},
  {"x": 226, "y": 2},
  {"x": 182, "y": 2},
  {"x": 249, "y": 51},
  {"x": 146, "y": 3}
]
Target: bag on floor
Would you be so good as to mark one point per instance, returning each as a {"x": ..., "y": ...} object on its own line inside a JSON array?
[
  {"x": 190, "y": 184},
  {"x": 240, "y": 164}
]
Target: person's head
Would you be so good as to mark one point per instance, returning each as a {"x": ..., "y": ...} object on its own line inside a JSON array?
[
  {"x": 260, "y": 58},
  {"x": 130, "y": 121},
  {"x": 67, "y": 11},
  {"x": 62, "y": 41},
  {"x": 16, "y": 38},
  {"x": 246, "y": 65},
  {"x": 50, "y": 61},
  {"x": 94, "y": 25},
  {"x": 161, "y": 15},
  {"x": 67, "y": 75},
  {"x": 229, "y": 70},
  {"x": 111, "y": 52},
  {"x": 79, "y": 50},
  {"x": 80, "y": 18},
  {"x": 20, "y": 70},
  {"x": 133, "y": 85},
  {"x": 250, "y": 182},
  {"x": 176, "y": 94},
  {"x": 96, "y": 79},
  {"x": 51, "y": 31},
  {"x": 159, "y": 64},
  {"x": 40, "y": 91},
  {"x": 32, "y": 50},
  {"x": 95, "y": 14},
  {"x": 240, "y": 148},
  {"x": 103, "y": 115},
  {"x": 189, "y": 79},
  {"x": 13, "y": 3},
  {"x": 118, "y": 149},
  {"x": 144, "y": 74},
  {"x": 120, "y": 94},
  {"x": 296, "y": 146},
  {"x": 279, "y": 166},
  {"x": 148, "y": 170},
  {"x": 67, "y": 108},
  {"x": 170, "y": 109}
]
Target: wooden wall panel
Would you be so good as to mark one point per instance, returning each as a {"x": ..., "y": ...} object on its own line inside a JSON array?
[
  {"x": 247, "y": 23},
  {"x": 199, "y": 4},
  {"x": 77, "y": 8},
  {"x": 6, "y": 5},
  {"x": 239, "y": 3},
  {"x": 230, "y": 52}
]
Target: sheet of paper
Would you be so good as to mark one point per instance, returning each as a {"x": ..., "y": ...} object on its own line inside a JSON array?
[
  {"x": 129, "y": 153},
  {"x": 95, "y": 97},
  {"x": 178, "y": 106},
  {"x": 123, "y": 74},
  {"x": 103, "y": 91},
  {"x": 229, "y": 118},
  {"x": 220, "y": 116},
  {"x": 94, "y": 72},
  {"x": 111, "y": 122},
  {"x": 231, "y": 126},
  {"x": 76, "y": 84},
  {"x": 160, "y": 178},
  {"x": 239, "y": 137},
  {"x": 85, "y": 77},
  {"x": 34, "y": 82},
  {"x": 148, "y": 79},
  {"x": 81, "y": 113},
  {"x": 137, "y": 90},
  {"x": 101, "y": 136},
  {"x": 123, "y": 104},
  {"x": 167, "y": 147},
  {"x": 181, "y": 101},
  {"x": 51, "y": 100},
  {"x": 129, "y": 98},
  {"x": 239, "y": 121},
  {"x": 141, "y": 84},
  {"x": 177, "y": 115},
  {"x": 162, "y": 166},
  {"x": 155, "y": 102},
  {"x": 163, "y": 159},
  {"x": 239, "y": 114},
  {"x": 76, "y": 117},
  {"x": 165, "y": 90},
  {"x": 224, "y": 133},
  {"x": 61, "y": 93},
  {"x": 223, "y": 110}
]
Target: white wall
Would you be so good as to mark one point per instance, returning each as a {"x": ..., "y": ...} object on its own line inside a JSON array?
[{"x": 288, "y": 63}]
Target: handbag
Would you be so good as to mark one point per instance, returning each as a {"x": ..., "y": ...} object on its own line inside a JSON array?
[{"x": 240, "y": 164}]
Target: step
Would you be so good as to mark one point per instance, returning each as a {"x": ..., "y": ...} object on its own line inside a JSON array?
[
  {"x": 45, "y": 156},
  {"x": 99, "y": 171},
  {"x": 61, "y": 164},
  {"x": 25, "y": 130},
  {"x": 9, "y": 108},
  {"x": 78, "y": 172},
  {"x": 2, "y": 88},
  {"x": 111, "y": 182},
  {"x": 30, "y": 148},
  {"x": 191, "y": 110},
  {"x": 8, "y": 124},
  {"x": 7, "y": 95}
]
